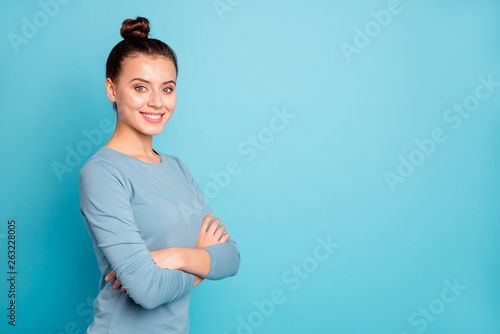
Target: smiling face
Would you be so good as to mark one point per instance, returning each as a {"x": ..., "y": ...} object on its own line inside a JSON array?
[{"x": 144, "y": 93}]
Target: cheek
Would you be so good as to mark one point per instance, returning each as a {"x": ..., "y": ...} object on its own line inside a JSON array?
[
  {"x": 131, "y": 100},
  {"x": 171, "y": 101}
]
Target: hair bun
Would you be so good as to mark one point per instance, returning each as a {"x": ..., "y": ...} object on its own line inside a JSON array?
[{"x": 135, "y": 28}]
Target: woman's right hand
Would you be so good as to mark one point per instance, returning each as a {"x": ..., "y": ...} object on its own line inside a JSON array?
[{"x": 212, "y": 236}]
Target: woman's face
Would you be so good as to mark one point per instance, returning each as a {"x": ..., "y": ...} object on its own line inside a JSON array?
[{"x": 144, "y": 93}]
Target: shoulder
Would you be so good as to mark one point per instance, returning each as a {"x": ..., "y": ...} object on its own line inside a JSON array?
[
  {"x": 176, "y": 163},
  {"x": 101, "y": 177},
  {"x": 101, "y": 165}
]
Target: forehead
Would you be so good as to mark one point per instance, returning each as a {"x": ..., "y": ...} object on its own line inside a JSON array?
[{"x": 149, "y": 67}]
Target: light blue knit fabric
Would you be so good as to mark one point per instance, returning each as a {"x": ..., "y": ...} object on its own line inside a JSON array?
[{"x": 131, "y": 207}]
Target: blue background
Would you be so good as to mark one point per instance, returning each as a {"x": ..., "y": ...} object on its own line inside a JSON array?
[{"x": 354, "y": 118}]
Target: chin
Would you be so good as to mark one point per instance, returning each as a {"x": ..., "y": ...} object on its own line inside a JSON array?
[{"x": 153, "y": 132}]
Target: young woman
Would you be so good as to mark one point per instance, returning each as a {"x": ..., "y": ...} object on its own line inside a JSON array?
[{"x": 153, "y": 233}]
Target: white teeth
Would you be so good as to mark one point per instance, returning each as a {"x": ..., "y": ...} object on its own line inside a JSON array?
[{"x": 152, "y": 116}]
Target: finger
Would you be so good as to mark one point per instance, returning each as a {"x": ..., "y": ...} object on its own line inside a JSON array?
[
  {"x": 219, "y": 231},
  {"x": 224, "y": 238},
  {"x": 206, "y": 220},
  {"x": 117, "y": 284},
  {"x": 110, "y": 276},
  {"x": 123, "y": 289},
  {"x": 213, "y": 226}
]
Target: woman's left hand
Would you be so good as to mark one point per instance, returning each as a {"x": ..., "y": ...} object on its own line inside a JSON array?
[{"x": 116, "y": 284}]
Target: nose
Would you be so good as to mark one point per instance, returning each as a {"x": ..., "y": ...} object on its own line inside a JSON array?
[{"x": 155, "y": 100}]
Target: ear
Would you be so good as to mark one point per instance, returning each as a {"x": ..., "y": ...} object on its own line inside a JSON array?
[{"x": 110, "y": 90}]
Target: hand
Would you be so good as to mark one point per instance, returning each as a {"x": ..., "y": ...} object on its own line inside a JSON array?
[
  {"x": 170, "y": 258},
  {"x": 197, "y": 280},
  {"x": 179, "y": 257},
  {"x": 212, "y": 236},
  {"x": 116, "y": 284}
]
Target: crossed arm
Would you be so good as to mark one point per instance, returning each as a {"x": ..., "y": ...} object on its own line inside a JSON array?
[
  {"x": 196, "y": 261},
  {"x": 151, "y": 281}
]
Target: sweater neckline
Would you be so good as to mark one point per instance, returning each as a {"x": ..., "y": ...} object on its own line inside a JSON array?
[{"x": 131, "y": 157}]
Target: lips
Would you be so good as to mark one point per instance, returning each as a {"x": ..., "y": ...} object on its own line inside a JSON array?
[{"x": 153, "y": 117}]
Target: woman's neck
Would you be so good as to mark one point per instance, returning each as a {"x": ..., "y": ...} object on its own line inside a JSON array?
[{"x": 132, "y": 142}]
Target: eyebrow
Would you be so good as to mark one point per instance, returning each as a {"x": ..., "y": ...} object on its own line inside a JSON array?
[{"x": 143, "y": 80}]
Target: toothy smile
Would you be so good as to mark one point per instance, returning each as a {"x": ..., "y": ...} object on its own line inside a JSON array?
[
  {"x": 152, "y": 116},
  {"x": 155, "y": 118}
]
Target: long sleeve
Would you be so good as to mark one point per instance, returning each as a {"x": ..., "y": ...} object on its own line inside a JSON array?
[
  {"x": 225, "y": 257},
  {"x": 105, "y": 205},
  {"x": 225, "y": 260}
]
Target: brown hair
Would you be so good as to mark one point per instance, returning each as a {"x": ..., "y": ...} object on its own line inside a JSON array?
[{"x": 135, "y": 42}]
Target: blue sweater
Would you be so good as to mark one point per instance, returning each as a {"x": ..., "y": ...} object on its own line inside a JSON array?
[{"x": 131, "y": 207}]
